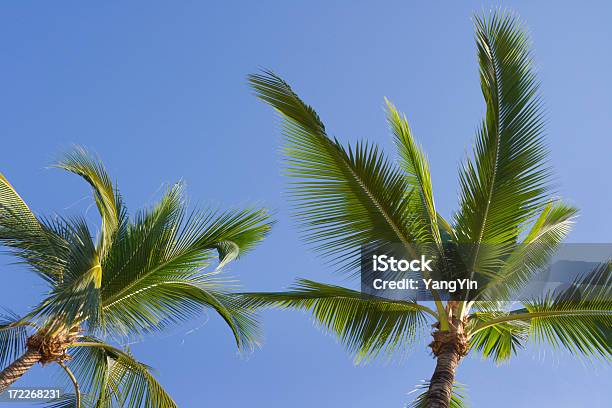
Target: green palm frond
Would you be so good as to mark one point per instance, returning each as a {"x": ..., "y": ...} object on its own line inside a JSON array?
[
  {"x": 507, "y": 181},
  {"x": 415, "y": 165},
  {"x": 139, "y": 387},
  {"x": 13, "y": 335},
  {"x": 242, "y": 320},
  {"x": 76, "y": 298},
  {"x": 367, "y": 325},
  {"x": 166, "y": 240},
  {"x": 577, "y": 318},
  {"x": 527, "y": 258},
  {"x": 167, "y": 303},
  {"x": 344, "y": 197},
  {"x": 432, "y": 226},
  {"x": 143, "y": 245},
  {"x": 501, "y": 341},
  {"x": 108, "y": 200},
  {"x": 26, "y": 237},
  {"x": 155, "y": 273},
  {"x": 458, "y": 398},
  {"x": 80, "y": 255},
  {"x": 115, "y": 378},
  {"x": 91, "y": 366},
  {"x": 13, "y": 206}
]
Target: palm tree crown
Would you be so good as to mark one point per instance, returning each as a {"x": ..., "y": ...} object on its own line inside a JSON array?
[
  {"x": 507, "y": 225},
  {"x": 139, "y": 276}
]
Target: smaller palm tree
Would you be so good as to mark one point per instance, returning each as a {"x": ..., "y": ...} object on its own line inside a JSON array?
[
  {"x": 139, "y": 276},
  {"x": 507, "y": 226}
]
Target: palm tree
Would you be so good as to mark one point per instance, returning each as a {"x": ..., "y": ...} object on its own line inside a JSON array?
[
  {"x": 507, "y": 226},
  {"x": 139, "y": 276}
]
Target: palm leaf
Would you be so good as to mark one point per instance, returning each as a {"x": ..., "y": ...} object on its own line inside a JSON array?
[
  {"x": 91, "y": 367},
  {"x": 507, "y": 181},
  {"x": 26, "y": 237},
  {"x": 415, "y": 165},
  {"x": 527, "y": 258},
  {"x": 167, "y": 303},
  {"x": 139, "y": 387},
  {"x": 344, "y": 197},
  {"x": 13, "y": 336},
  {"x": 458, "y": 399},
  {"x": 154, "y": 274},
  {"x": 501, "y": 341},
  {"x": 122, "y": 380},
  {"x": 367, "y": 325},
  {"x": 76, "y": 298},
  {"x": 577, "y": 318},
  {"x": 107, "y": 199}
]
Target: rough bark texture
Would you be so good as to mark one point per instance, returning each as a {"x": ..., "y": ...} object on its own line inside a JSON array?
[
  {"x": 441, "y": 383},
  {"x": 18, "y": 368},
  {"x": 449, "y": 347}
]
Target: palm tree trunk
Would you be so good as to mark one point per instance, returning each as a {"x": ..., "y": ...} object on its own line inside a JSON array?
[
  {"x": 18, "y": 368},
  {"x": 441, "y": 383}
]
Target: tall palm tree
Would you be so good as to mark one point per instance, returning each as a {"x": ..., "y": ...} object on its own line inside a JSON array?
[
  {"x": 507, "y": 225},
  {"x": 139, "y": 276}
]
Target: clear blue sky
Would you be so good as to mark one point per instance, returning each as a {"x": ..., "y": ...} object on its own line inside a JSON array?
[{"x": 158, "y": 90}]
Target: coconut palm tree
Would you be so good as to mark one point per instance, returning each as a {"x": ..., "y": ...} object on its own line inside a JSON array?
[
  {"x": 507, "y": 226},
  {"x": 140, "y": 275}
]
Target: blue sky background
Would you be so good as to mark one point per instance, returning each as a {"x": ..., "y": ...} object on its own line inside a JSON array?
[{"x": 158, "y": 90}]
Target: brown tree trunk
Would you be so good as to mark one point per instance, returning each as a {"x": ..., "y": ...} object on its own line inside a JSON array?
[
  {"x": 441, "y": 383},
  {"x": 18, "y": 368}
]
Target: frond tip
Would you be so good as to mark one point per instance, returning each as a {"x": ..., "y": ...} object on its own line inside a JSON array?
[{"x": 79, "y": 161}]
